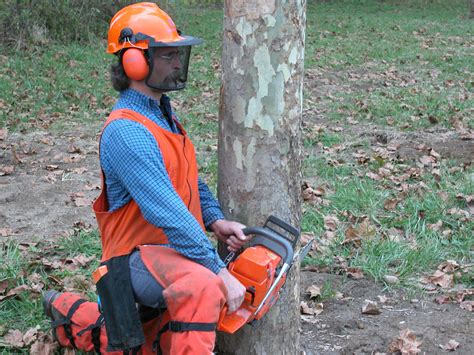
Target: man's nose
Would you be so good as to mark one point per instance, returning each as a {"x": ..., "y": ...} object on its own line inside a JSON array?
[{"x": 177, "y": 63}]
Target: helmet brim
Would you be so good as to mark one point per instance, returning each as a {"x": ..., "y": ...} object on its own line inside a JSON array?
[{"x": 183, "y": 41}]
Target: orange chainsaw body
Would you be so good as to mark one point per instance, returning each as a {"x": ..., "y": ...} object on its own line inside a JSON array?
[{"x": 256, "y": 268}]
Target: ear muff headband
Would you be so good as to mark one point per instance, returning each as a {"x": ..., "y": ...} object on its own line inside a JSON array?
[{"x": 135, "y": 64}]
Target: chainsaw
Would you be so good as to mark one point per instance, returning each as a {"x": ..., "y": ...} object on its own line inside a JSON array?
[{"x": 262, "y": 268}]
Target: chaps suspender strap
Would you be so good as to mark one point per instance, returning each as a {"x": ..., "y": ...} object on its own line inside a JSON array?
[
  {"x": 174, "y": 326},
  {"x": 95, "y": 333},
  {"x": 66, "y": 322}
]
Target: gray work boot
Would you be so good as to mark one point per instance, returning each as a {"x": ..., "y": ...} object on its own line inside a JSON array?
[{"x": 48, "y": 299}]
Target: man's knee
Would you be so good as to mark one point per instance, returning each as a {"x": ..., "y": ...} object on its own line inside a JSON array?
[{"x": 201, "y": 288}]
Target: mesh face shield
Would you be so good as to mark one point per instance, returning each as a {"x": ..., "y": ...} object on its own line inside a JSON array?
[{"x": 168, "y": 67}]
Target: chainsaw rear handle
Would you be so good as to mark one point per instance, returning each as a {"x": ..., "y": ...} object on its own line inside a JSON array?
[{"x": 269, "y": 239}]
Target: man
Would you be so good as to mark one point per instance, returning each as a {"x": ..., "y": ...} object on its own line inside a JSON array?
[{"x": 153, "y": 208}]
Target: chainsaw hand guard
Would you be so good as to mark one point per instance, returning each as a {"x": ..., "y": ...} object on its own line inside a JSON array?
[{"x": 262, "y": 269}]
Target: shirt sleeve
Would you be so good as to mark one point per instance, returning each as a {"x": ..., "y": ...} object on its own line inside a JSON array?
[
  {"x": 135, "y": 160},
  {"x": 210, "y": 208}
]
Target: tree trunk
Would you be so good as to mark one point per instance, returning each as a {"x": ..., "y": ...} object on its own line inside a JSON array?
[
  {"x": 260, "y": 144},
  {"x": 472, "y": 8}
]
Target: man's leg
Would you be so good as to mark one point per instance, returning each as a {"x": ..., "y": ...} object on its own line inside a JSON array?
[
  {"x": 194, "y": 297},
  {"x": 76, "y": 322}
]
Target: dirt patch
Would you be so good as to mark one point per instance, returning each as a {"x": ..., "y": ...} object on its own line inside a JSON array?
[
  {"x": 321, "y": 93},
  {"x": 49, "y": 184},
  {"x": 342, "y": 328}
]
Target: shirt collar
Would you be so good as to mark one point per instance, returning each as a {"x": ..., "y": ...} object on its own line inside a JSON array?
[{"x": 138, "y": 98}]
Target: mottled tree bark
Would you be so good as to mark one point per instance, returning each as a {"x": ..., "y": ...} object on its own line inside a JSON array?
[{"x": 260, "y": 144}]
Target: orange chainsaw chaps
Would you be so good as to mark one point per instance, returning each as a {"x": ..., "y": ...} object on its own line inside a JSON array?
[
  {"x": 255, "y": 268},
  {"x": 85, "y": 316},
  {"x": 193, "y": 294}
]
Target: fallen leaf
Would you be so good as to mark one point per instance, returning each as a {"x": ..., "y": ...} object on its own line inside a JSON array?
[
  {"x": 448, "y": 266},
  {"x": 390, "y": 204},
  {"x": 43, "y": 347},
  {"x": 441, "y": 279},
  {"x": 364, "y": 230},
  {"x": 331, "y": 223},
  {"x": 3, "y": 134},
  {"x": 435, "y": 226},
  {"x": 432, "y": 119},
  {"x": 451, "y": 345},
  {"x": 73, "y": 149},
  {"x": 80, "y": 170},
  {"x": 434, "y": 154},
  {"x": 73, "y": 158},
  {"x": 467, "y": 305},
  {"x": 313, "y": 291},
  {"x": 3, "y": 285},
  {"x": 351, "y": 236},
  {"x": 6, "y": 170},
  {"x": 47, "y": 141},
  {"x": 395, "y": 234},
  {"x": 6, "y": 232},
  {"x": 14, "y": 292},
  {"x": 90, "y": 187},
  {"x": 31, "y": 335},
  {"x": 51, "y": 264},
  {"x": 51, "y": 167},
  {"x": 80, "y": 260},
  {"x": 427, "y": 160},
  {"x": 406, "y": 343},
  {"x": 82, "y": 202},
  {"x": 461, "y": 295},
  {"x": 382, "y": 298},
  {"x": 354, "y": 273},
  {"x": 458, "y": 212},
  {"x": 13, "y": 339},
  {"x": 373, "y": 176},
  {"x": 305, "y": 309},
  {"x": 443, "y": 299},
  {"x": 370, "y": 307}
]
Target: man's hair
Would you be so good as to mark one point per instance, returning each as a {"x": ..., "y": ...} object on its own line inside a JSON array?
[{"x": 120, "y": 80}]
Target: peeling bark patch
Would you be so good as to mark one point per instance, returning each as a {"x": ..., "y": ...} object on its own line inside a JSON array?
[
  {"x": 245, "y": 159},
  {"x": 293, "y": 55},
  {"x": 237, "y": 146},
  {"x": 283, "y": 68},
  {"x": 252, "y": 10},
  {"x": 244, "y": 28},
  {"x": 266, "y": 73}
]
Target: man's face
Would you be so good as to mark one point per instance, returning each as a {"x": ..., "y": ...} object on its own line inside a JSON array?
[{"x": 167, "y": 67}]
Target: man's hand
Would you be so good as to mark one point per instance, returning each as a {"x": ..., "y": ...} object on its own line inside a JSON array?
[
  {"x": 230, "y": 232},
  {"x": 235, "y": 290}
]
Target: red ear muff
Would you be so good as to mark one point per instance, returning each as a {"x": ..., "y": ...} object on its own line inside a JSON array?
[{"x": 135, "y": 64}]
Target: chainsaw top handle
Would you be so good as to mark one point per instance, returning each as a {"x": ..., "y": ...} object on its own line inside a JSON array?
[{"x": 271, "y": 240}]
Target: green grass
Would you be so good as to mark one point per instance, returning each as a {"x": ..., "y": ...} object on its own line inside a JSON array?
[
  {"x": 422, "y": 248},
  {"x": 18, "y": 266}
]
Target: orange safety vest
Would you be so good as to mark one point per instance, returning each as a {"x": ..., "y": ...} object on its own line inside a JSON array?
[{"x": 124, "y": 229}]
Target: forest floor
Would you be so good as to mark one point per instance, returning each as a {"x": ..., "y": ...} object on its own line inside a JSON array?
[{"x": 55, "y": 178}]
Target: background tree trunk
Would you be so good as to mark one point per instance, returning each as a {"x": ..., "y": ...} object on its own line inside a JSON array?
[
  {"x": 472, "y": 8},
  {"x": 260, "y": 143}
]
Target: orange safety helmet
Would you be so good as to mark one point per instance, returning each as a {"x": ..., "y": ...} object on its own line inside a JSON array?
[{"x": 138, "y": 33}]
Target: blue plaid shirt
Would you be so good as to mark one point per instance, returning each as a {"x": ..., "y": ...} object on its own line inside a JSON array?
[{"x": 134, "y": 169}]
